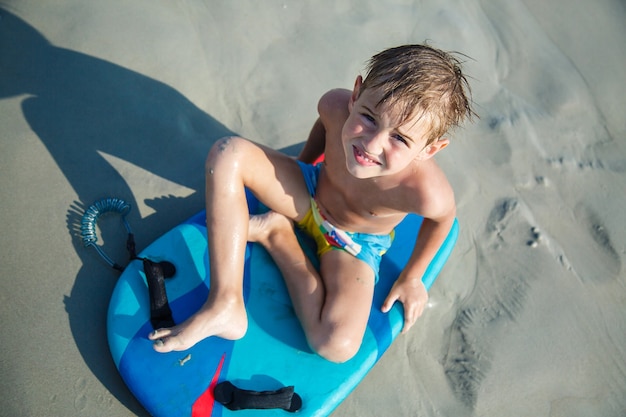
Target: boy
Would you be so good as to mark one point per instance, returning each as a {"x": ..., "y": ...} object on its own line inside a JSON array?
[{"x": 378, "y": 141}]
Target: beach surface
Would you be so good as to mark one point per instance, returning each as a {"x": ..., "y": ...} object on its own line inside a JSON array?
[{"x": 119, "y": 98}]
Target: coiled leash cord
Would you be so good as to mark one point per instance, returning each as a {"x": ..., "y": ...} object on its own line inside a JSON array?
[
  {"x": 90, "y": 219},
  {"x": 156, "y": 272}
]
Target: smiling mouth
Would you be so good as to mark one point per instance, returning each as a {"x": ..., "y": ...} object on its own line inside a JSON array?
[{"x": 362, "y": 159}]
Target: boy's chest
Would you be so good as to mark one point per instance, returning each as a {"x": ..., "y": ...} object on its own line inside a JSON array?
[{"x": 359, "y": 205}]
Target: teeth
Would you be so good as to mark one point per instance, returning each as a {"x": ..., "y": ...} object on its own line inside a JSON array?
[
  {"x": 369, "y": 160},
  {"x": 364, "y": 156}
]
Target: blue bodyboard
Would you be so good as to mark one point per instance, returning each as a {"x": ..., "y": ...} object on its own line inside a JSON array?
[{"x": 273, "y": 353}]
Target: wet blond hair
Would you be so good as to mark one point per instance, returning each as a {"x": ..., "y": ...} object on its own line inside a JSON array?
[{"x": 424, "y": 81}]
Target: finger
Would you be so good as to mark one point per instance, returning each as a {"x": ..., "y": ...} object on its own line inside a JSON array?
[
  {"x": 412, "y": 314},
  {"x": 408, "y": 321},
  {"x": 391, "y": 299},
  {"x": 407, "y": 326},
  {"x": 420, "y": 310}
]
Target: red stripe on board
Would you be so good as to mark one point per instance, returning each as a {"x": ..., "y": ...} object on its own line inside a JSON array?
[
  {"x": 318, "y": 160},
  {"x": 203, "y": 407}
]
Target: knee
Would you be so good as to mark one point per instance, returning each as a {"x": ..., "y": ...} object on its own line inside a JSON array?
[
  {"x": 336, "y": 347},
  {"x": 225, "y": 148}
]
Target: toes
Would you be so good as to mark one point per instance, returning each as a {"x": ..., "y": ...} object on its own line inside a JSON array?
[
  {"x": 159, "y": 333},
  {"x": 162, "y": 345},
  {"x": 165, "y": 340}
]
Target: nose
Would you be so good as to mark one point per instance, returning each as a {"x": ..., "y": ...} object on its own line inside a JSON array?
[{"x": 375, "y": 143}]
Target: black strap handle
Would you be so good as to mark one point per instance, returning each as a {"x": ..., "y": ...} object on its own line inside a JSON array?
[
  {"x": 235, "y": 398},
  {"x": 160, "y": 312}
]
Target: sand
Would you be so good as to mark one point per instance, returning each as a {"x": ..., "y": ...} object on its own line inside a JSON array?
[{"x": 125, "y": 98}]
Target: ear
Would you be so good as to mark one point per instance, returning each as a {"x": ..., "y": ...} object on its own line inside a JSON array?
[
  {"x": 356, "y": 92},
  {"x": 430, "y": 150}
]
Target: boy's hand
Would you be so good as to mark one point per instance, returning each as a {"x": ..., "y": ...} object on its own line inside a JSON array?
[{"x": 413, "y": 296}]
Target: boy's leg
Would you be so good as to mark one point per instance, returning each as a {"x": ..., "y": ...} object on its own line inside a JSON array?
[
  {"x": 333, "y": 306},
  {"x": 277, "y": 180}
]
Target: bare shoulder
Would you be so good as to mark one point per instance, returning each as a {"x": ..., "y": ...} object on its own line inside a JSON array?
[
  {"x": 431, "y": 194},
  {"x": 334, "y": 105}
]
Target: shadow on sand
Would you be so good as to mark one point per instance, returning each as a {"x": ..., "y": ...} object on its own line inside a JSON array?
[{"x": 82, "y": 108}]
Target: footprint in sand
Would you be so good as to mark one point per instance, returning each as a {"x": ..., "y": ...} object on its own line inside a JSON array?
[
  {"x": 499, "y": 295},
  {"x": 601, "y": 261},
  {"x": 503, "y": 280},
  {"x": 80, "y": 402}
]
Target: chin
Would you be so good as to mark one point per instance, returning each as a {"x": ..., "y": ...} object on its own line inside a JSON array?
[{"x": 362, "y": 173}]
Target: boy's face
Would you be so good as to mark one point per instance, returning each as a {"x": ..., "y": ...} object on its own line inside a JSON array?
[{"x": 376, "y": 143}]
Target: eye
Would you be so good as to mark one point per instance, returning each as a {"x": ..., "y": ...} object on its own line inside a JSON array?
[
  {"x": 401, "y": 139},
  {"x": 369, "y": 118}
]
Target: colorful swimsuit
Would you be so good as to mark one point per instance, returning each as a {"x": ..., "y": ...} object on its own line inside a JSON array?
[{"x": 367, "y": 247}]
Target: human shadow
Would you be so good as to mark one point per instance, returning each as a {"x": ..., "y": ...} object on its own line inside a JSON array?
[{"x": 85, "y": 109}]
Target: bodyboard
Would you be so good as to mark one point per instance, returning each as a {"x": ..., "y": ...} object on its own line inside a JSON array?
[{"x": 273, "y": 353}]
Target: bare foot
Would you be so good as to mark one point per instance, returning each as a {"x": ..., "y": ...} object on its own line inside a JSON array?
[
  {"x": 223, "y": 318},
  {"x": 262, "y": 228}
]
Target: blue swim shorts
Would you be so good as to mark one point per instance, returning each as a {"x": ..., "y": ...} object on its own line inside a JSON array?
[{"x": 364, "y": 246}]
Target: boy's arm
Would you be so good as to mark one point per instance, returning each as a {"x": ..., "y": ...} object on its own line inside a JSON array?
[
  {"x": 314, "y": 146},
  {"x": 408, "y": 288}
]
